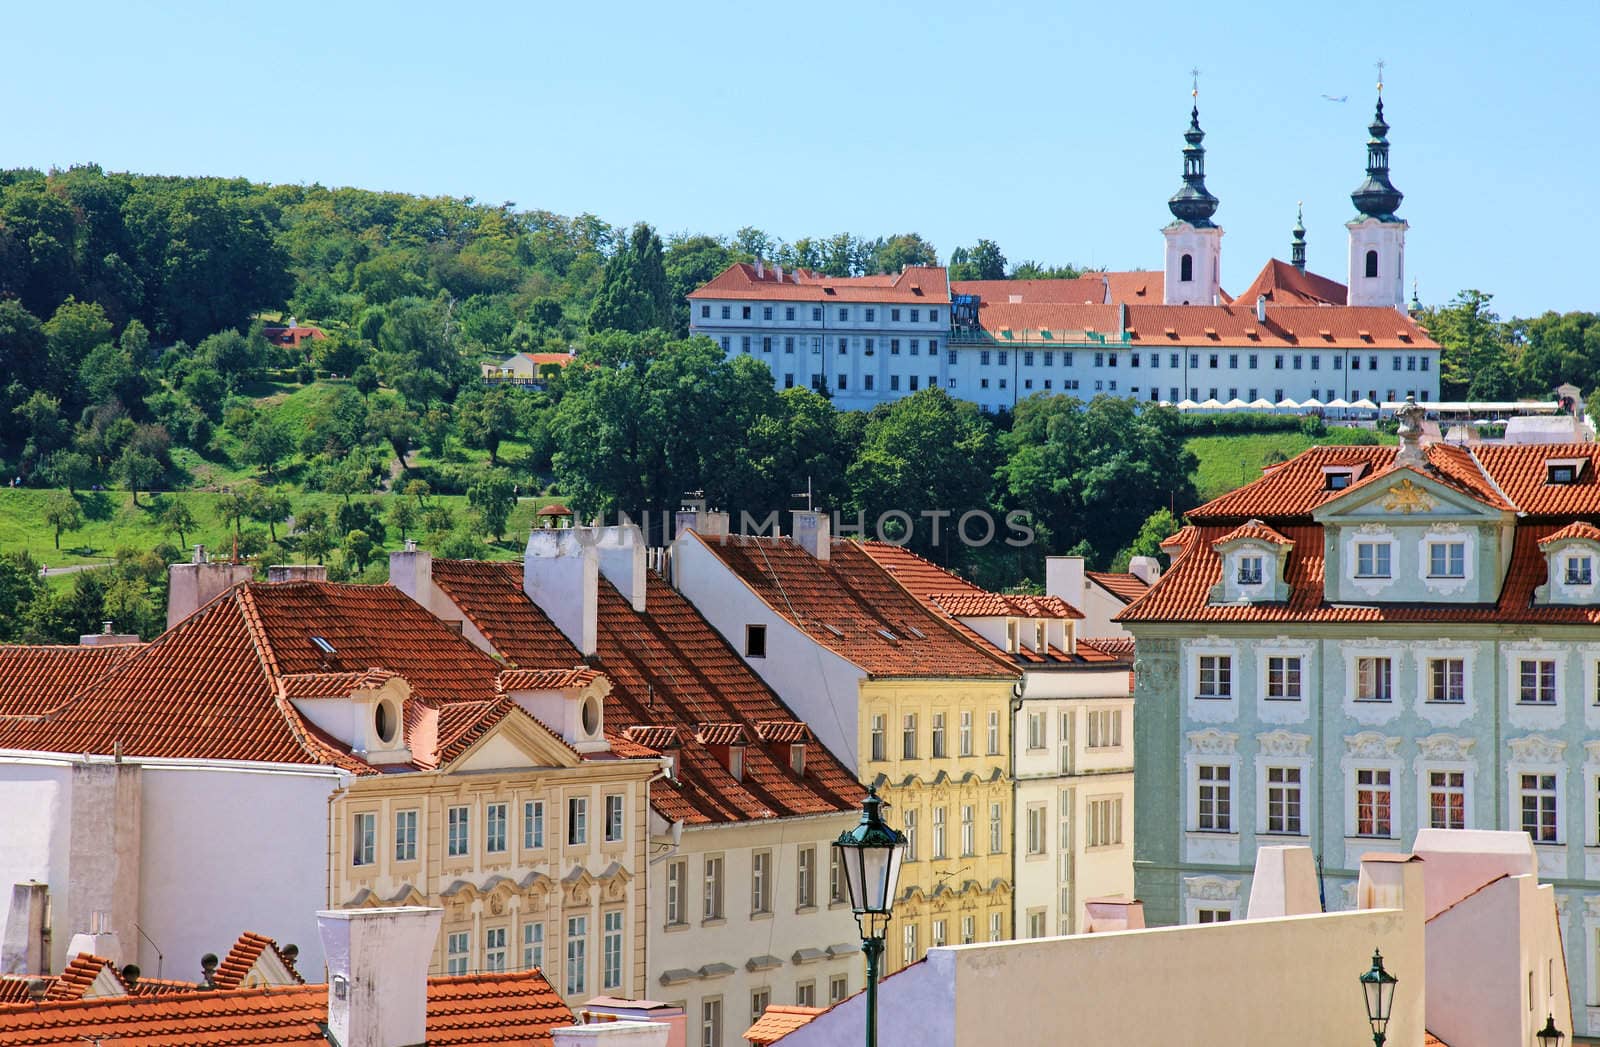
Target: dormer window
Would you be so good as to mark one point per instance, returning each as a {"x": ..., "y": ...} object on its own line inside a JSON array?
[
  {"x": 1336, "y": 481},
  {"x": 1372, "y": 560},
  {"x": 1560, "y": 472},
  {"x": 736, "y": 762},
  {"x": 1249, "y": 570},
  {"x": 1580, "y": 570},
  {"x": 1011, "y": 635},
  {"x": 1040, "y": 643},
  {"x": 797, "y": 759},
  {"x": 1447, "y": 559}
]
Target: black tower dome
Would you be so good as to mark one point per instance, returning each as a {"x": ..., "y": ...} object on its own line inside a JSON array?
[
  {"x": 1377, "y": 197},
  {"x": 1193, "y": 203}
]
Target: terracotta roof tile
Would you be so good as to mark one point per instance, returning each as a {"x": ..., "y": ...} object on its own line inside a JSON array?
[
  {"x": 1138, "y": 286},
  {"x": 721, "y": 734},
  {"x": 778, "y": 1021},
  {"x": 1282, "y": 284},
  {"x": 783, "y": 731},
  {"x": 246, "y": 951},
  {"x": 1581, "y": 529},
  {"x": 76, "y": 977},
  {"x": 1519, "y": 470},
  {"x": 670, "y": 672},
  {"x": 36, "y": 679},
  {"x": 852, "y": 606},
  {"x": 547, "y": 679},
  {"x": 1000, "y": 605},
  {"x": 465, "y": 1011},
  {"x": 1125, "y": 587},
  {"x": 917, "y": 284},
  {"x": 1255, "y": 530},
  {"x": 333, "y": 685},
  {"x": 1286, "y": 326}
]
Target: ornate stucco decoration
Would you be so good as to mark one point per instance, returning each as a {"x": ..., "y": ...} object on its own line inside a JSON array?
[
  {"x": 1445, "y": 747},
  {"x": 1284, "y": 743},
  {"x": 1591, "y": 905},
  {"x": 1212, "y": 742},
  {"x": 1593, "y": 749},
  {"x": 1536, "y": 748},
  {"x": 1370, "y": 745},
  {"x": 1211, "y": 888},
  {"x": 1406, "y": 497}
]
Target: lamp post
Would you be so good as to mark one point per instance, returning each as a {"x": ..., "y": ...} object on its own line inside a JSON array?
[
  {"x": 1378, "y": 987},
  {"x": 870, "y": 856},
  {"x": 1550, "y": 1036}
]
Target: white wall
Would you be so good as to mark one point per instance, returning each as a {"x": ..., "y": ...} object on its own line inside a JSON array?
[
  {"x": 822, "y": 688},
  {"x": 36, "y": 795},
  {"x": 231, "y": 850}
]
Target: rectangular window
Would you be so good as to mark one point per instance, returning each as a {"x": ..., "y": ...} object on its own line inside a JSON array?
[
  {"x": 838, "y": 988},
  {"x": 1215, "y": 795},
  {"x": 1538, "y": 682},
  {"x": 494, "y": 949},
  {"x": 494, "y": 828},
  {"x": 1036, "y": 730},
  {"x": 872, "y": 315},
  {"x": 788, "y": 312},
  {"x": 533, "y": 825},
  {"x": 966, "y": 733},
  {"x": 788, "y": 344},
  {"x": 938, "y": 834},
  {"x": 835, "y": 879},
  {"x": 1283, "y": 678},
  {"x": 1372, "y": 559},
  {"x": 727, "y": 343},
  {"x": 532, "y": 946},
  {"x": 755, "y": 641},
  {"x": 1580, "y": 570},
  {"x": 405, "y": 836},
  {"x": 969, "y": 833},
  {"x": 712, "y": 907},
  {"x": 1447, "y": 680},
  {"x": 1105, "y": 822},
  {"x": 1283, "y": 800},
  {"x": 878, "y": 731},
  {"x": 577, "y": 820},
  {"x": 1374, "y": 679},
  {"x": 805, "y": 994},
  {"x": 711, "y": 1023},
  {"x": 908, "y": 737},
  {"x": 726, "y": 314},
  {"x": 457, "y": 956},
  {"x": 457, "y": 836},
  {"x": 1539, "y": 807},
  {"x": 1216, "y": 676},
  {"x": 938, "y": 735},
  {"x": 908, "y": 944},
  {"x": 366, "y": 840},
  {"x": 744, "y": 343},
  {"x": 894, "y": 383},
  {"x": 611, "y": 950},
  {"x": 997, "y": 828},
  {"x": 1373, "y": 803},
  {"x": 816, "y": 314},
  {"x": 1447, "y": 559},
  {"x": 759, "y": 999},
  {"x": 1447, "y": 799},
  {"x": 994, "y": 734},
  {"x": 577, "y": 955},
  {"x": 894, "y": 315},
  {"x": 613, "y": 817},
  {"x": 1105, "y": 729},
  {"x": 969, "y": 930},
  {"x": 938, "y": 934},
  {"x": 677, "y": 878},
  {"x": 1249, "y": 570},
  {"x": 908, "y": 825},
  {"x": 1036, "y": 830},
  {"x": 805, "y": 895},
  {"x": 1213, "y": 916}
]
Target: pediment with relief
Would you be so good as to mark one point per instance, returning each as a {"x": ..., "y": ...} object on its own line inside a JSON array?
[{"x": 1401, "y": 495}]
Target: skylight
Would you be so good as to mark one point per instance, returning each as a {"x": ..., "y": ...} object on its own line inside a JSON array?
[
  {"x": 887, "y": 635},
  {"x": 323, "y": 645}
]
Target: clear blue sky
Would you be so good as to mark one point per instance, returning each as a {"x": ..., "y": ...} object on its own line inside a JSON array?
[{"x": 1052, "y": 128}]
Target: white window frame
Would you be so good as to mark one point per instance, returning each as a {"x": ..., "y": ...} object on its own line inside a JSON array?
[
  {"x": 966, "y": 733},
  {"x": 997, "y": 827},
  {"x": 458, "y": 831},
  {"x": 496, "y": 947},
  {"x": 458, "y": 952},
  {"x": 496, "y": 839},
  {"x": 1035, "y": 829},
  {"x": 1300, "y": 769},
  {"x": 612, "y": 946},
  {"x": 533, "y": 825},
  {"x": 969, "y": 830},
  {"x": 577, "y": 955},
  {"x": 405, "y": 834},
  {"x": 1390, "y": 782},
  {"x": 1115, "y": 822},
  {"x": 577, "y": 821},
  {"x": 616, "y": 817},
  {"x": 994, "y": 733},
  {"x": 532, "y": 944},
  {"x": 364, "y": 833}
]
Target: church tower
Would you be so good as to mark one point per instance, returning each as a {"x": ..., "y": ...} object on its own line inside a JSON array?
[
  {"x": 1297, "y": 241},
  {"x": 1194, "y": 241},
  {"x": 1377, "y": 234}
]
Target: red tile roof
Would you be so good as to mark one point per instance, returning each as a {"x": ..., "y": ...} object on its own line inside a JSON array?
[
  {"x": 671, "y": 673},
  {"x": 219, "y": 684},
  {"x": 778, "y": 1021},
  {"x": 76, "y": 977},
  {"x": 1136, "y": 287},
  {"x": 852, "y": 606},
  {"x": 917, "y": 285},
  {"x": 1282, "y": 284},
  {"x": 1125, "y": 587},
  {"x": 547, "y": 679},
  {"x": 1519, "y": 470},
  {"x": 1000, "y": 605},
  {"x": 1255, "y": 530},
  {"x": 1581, "y": 529},
  {"x": 463, "y": 1011},
  {"x": 246, "y": 951},
  {"x": 36, "y": 679}
]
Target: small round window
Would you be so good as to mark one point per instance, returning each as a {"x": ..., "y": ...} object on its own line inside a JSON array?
[
  {"x": 591, "y": 716},
  {"x": 385, "y": 721}
]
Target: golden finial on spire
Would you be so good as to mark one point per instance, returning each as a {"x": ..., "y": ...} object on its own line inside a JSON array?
[
  {"x": 1194, "y": 91},
  {"x": 1380, "y": 76}
]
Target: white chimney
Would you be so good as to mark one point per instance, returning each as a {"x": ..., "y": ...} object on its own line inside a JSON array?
[
  {"x": 561, "y": 573},
  {"x": 1261, "y": 308},
  {"x": 1284, "y": 884},
  {"x": 812, "y": 532},
  {"x": 1063, "y": 578},
  {"x": 193, "y": 585},
  {"x": 761, "y": 268},
  {"x": 622, "y": 561},
  {"x": 297, "y": 572},
  {"x": 706, "y": 522},
  {"x": 1105, "y": 282},
  {"x": 777, "y": 271},
  {"x": 378, "y": 974},
  {"x": 612, "y": 1034},
  {"x": 1145, "y": 568}
]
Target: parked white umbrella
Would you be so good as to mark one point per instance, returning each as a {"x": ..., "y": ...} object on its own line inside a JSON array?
[
  {"x": 1235, "y": 404},
  {"x": 1339, "y": 402},
  {"x": 1287, "y": 404},
  {"x": 1187, "y": 405},
  {"x": 1261, "y": 403},
  {"x": 1212, "y": 404},
  {"x": 1313, "y": 402},
  {"x": 1364, "y": 404}
]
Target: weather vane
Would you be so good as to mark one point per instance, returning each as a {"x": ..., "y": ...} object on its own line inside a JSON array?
[
  {"x": 1380, "y": 76},
  {"x": 1194, "y": 91}
]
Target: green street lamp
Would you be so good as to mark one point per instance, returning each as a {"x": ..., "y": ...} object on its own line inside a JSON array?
[
  {"x": 870, "y": 856},
  {"x": 1378, "y": 987},
  {"x": 1550, "y": 1036}
]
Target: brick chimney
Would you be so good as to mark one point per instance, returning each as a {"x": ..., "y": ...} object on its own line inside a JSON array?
[{"x": 378, "y": 974}]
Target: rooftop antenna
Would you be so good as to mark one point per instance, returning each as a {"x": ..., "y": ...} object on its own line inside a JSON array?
[{"x": 806, "y": 494}]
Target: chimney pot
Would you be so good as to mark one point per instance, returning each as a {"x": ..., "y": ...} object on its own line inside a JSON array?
[{"x": 812, "y": 531}]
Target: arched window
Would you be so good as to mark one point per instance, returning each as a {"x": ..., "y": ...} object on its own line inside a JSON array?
[
  {"x": 1372, "y": 264},
  {"x": 1186, "y": 268}
]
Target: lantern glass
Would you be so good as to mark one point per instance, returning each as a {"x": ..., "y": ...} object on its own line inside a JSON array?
[
  {"x": 870, "y": 856},
  {"x": 1550, "y": 1036},
  {"x": 1378, "y": 985}
]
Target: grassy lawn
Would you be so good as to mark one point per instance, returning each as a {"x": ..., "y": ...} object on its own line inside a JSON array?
[{"x": 1227, "y": 462}]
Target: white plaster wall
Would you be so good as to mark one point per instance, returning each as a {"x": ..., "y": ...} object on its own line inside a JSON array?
[
  {"x": 232, "y": 850},
  {"x": 36, "y": 796},
  {"x": 822, "y": 688},
  {"x": 738, "y": 937}
]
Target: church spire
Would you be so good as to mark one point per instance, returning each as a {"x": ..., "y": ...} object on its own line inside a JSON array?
[
  {"x": 1297, "y": 244},
  {"x": 1377, "y": 197},
  {"x": 1193, "y": 203}
]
